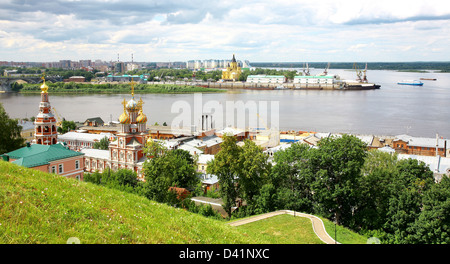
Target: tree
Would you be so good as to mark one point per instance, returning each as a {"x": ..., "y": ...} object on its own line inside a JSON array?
[
  {"x": 102, "y": 144},
  {"x": 374, "y": 190},
  {"x": 226, "y": 167},
  {"x": 433, "y": 224},
  {"x": 291, "y": 179},
  {"x": 254, "y": 171},
  {"x": 10, "y": 138},
  {"x": 336, "y": 166},
  {"x": 412, "y": 181},
  {"x": 168, "y": 169},
  {"x": 66, "y": 126}
]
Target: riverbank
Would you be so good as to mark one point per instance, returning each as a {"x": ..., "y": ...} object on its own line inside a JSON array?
[{"x": 88, "y": 88}]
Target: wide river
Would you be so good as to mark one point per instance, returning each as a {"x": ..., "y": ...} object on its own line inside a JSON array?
[{"x": 391, "y": 110}]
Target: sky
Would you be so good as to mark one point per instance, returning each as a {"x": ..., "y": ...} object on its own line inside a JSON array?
[{"x": 258, "y": 31}]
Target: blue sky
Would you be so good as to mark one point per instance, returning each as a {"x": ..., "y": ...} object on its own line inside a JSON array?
[{"x": 258, "y": 31}]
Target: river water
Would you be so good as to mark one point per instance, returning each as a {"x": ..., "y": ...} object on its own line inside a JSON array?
[{"x": 391, "y": 110}]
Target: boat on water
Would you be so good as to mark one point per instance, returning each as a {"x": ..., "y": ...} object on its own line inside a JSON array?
[
  {"x": 410, "y": 82},
  {"x": 428, "y": 79}
]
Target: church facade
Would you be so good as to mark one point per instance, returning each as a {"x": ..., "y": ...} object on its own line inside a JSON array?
[
  {"x": 127, "y": 151},
  {"x": 232, "y": 72}
]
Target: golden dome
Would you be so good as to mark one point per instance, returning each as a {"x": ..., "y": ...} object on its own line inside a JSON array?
[
  {"x": 142, "y": 118},
  {"x": 44, "y": 87},
  {"x": 124, "y": 118}
]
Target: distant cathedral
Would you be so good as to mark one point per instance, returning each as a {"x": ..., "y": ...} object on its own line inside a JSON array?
[{"x": 233, "y": 71}]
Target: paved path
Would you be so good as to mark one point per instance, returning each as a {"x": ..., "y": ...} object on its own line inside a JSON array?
[{"x": 317, "y": 223}]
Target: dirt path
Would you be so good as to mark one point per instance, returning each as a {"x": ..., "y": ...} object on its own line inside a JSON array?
[{"x": 317, "y": 223}]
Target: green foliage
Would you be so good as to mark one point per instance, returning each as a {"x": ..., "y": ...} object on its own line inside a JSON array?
[
  {"x": 226, "y": 166},
  {"x": 336, "y": 166},
  {"x": 168, "y": 169},
  {"x": 108, "y": 88},
  {"x": 102, "y": 144},
  {"x": 66, "y": 126},
  {"x": 254, "y": 171},
  {"x": 122, "y": 179},
  {"x": 10, "y": 138}
]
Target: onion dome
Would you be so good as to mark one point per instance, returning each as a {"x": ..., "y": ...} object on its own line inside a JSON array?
[
  {"x": 132, "y": 106},
  {"x": 44, "y": 87},
  {"x": 124, "y": 118},
  {"x": 142, "y": 118}
]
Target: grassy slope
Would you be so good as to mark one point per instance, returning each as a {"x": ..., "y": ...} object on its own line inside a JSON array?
[
  {"x": 38, "y": 207},
  {"x": 344, "y": 235},
  {"x": 282, "y": 229}
]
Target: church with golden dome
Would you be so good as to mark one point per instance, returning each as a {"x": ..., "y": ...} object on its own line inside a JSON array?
[
  {"x": 127, "y": 151},
  {"x": 233, "y": 71}
]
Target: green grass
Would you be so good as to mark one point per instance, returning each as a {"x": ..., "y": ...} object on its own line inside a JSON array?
[
  {"x": 43, "y": 208},
  {"x": 282, "y": 229},
  {"x": 344, "y": 235},
  {"x": 37, "y": 207}
]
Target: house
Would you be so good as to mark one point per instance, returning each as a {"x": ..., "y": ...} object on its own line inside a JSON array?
[
  {"x": 209, "y": 182},
  {"x": 405, "y": 144},
  {"x": 202, "y": 162},
  {"x": 27, "y": 130},
  {"x": 94, "y": 122},
  {"x": 55, "y": 158}
]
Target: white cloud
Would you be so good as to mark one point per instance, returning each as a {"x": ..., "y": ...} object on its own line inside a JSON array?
[{"x": 257, "y": 30}]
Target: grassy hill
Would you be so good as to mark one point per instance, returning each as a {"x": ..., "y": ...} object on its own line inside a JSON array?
[{"x": 38, "y": 207}]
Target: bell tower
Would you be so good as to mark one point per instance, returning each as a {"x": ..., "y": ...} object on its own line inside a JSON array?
[{"x": 45, "y": 123}]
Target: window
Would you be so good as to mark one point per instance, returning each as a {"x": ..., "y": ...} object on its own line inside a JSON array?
[
  {"x": 77, "y": 164},
  {"x": 53, "y": 169},
  {"x": 60, "y": 168}
]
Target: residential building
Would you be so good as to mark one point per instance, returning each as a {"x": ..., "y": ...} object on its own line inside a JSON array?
[
  {"x": 27, "y": 130},
  {"x": 202, "y": 162},
  {"x": 405, "y": 144},
  {"x": 54, "y": 158},
  {"x": 94, "y": 121}
]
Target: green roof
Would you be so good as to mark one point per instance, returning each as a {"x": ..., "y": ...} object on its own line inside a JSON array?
[{"x": 37, "y": 155}]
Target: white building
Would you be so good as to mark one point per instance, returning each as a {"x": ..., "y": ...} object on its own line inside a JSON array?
[
  {"x": 318, "y": 79},
  {"x": 266, "y": 79},
  {"x": 77, "y": 141}
]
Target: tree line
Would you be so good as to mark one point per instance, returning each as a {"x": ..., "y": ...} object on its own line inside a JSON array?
[{"x": 371, "y": 192}]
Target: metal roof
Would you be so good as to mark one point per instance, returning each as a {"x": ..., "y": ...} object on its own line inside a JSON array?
[{"x": 37, "y": 155}]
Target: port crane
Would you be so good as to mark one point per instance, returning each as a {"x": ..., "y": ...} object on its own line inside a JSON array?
[
  {"x": 57, "y": 117},
  {"x": 325, "y": 72},
  {"x": 364, "y": 80},
  {"x": 358, "y": 72},
  {"x": 307, "y": 70}
]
